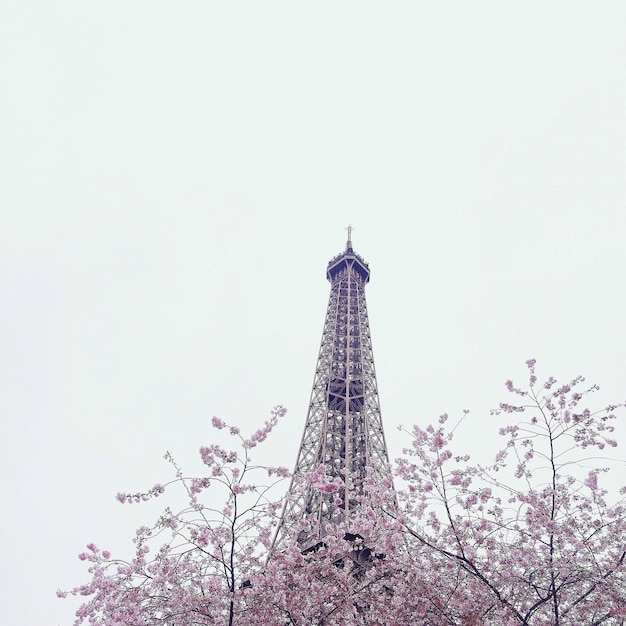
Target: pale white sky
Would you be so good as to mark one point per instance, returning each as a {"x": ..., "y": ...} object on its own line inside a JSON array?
[{"x": 175, "y": 177}]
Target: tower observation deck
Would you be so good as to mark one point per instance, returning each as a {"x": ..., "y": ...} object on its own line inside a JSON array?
[{"x": 343, "y": 430}]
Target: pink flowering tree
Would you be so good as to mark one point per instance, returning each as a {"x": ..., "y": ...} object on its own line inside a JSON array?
[
  {"x": 193, "y": 566},
  {"x": 347, "y": 577},
  {"x": 532, "y": 538},
  {"x": 205, "y": 565}
]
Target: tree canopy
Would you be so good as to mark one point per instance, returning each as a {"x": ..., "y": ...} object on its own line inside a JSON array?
[{"x": 535, "y": 537}]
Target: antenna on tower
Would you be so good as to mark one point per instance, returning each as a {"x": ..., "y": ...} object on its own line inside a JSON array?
[{"x": 349, "y": 228}]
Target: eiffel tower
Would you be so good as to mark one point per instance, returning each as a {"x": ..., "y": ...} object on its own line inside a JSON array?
[{"x": 343, "y": 430}]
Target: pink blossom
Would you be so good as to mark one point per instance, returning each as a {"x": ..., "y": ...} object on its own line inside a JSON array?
[
  {"x": 217, "y": 423},
  {"x": 592, "y": 480}
]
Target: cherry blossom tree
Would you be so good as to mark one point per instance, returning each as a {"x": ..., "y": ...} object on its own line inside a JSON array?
[
  {"x": 209, "y": 565},
  {"x": 535, "y": 538},
  {"x": 532, "y": 538},
  {"x": 191, "y": 567},
  {"x": 348, "y": 576}
]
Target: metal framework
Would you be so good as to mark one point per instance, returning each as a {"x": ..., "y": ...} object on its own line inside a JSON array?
[{"x": 343, "y": 430}]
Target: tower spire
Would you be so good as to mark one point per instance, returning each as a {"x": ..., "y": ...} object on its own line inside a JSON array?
[
  {"x": 343, "y": 430},
  {"x": 349, "y": 228}
]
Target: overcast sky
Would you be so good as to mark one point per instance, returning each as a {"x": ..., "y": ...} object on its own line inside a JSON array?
[{"x": 174, "y": 177}]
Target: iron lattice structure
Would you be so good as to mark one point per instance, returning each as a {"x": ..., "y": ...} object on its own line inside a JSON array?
[{"x": 344, "y": 429}]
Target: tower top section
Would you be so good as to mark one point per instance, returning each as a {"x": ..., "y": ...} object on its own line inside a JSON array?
[
  {"x": 343, "y": 436},
  {"x": 347, "y": 261}
]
